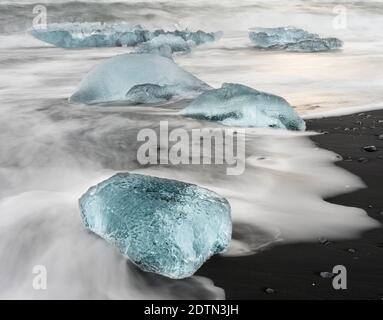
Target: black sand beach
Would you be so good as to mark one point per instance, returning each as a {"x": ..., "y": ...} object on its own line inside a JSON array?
[{"x": 292, "y": 271}]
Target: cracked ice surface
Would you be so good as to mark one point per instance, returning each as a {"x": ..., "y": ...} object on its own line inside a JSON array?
[{"x": 164, "y": 226}]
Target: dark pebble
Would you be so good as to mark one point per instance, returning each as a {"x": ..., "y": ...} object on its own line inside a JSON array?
[
  {"x": 326, "y": 275},
  {"x": 370, "y": 148}
]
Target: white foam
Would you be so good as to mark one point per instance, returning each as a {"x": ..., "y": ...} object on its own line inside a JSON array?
[{"x": 342, "y": 111}]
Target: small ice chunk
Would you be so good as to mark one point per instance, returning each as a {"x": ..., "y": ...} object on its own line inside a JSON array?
[
  {"x": 164, "y": 226},
  {"x": 150, "y": 93},
  {"x": 146, "y": 77},
  {"x": 96, "y": 34},
  {"x": 292, "y": 39},
  {"x": 238, "y": 105},
  {"x": 165, "y": 44}
]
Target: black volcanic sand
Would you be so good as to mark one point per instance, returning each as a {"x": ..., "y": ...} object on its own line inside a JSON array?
[{"x": 292, "y": 270}]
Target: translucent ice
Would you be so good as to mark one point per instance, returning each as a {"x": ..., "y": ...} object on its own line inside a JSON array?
[
  {"x": 238, "y": 105},
  {"x": 164, "y": 226},
  {"x": 165, "y": 45},
  {"x": 137, "y": 78},
  {"x": 292, "y": 39},
  {"x": 95, "y": 34}
]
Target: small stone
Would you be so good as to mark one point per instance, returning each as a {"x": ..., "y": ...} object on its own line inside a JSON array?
[
  {"x": 269, "y": 291},
  {"x": 324, "y": 241},
  {"x": 380, "y": 137},
  {"x": 351, "y": 250},
  {"x": 326, "y": 275},
  {"x": 346, "y": 129},
  {"x": 370, "y": 148},
  {"x": 362, "y": 160},
  {"x": 379, "y": 157}
]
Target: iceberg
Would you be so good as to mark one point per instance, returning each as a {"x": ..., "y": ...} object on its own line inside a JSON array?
[
  {"x": 91, "y": 34},
  {"x": 96, "y": 34},
  {"x": 238, "y": 105},
  {"x": 292, "y": 39},
  {"x": 163, "y": 226},
  {"x": 137, "y": 78}
]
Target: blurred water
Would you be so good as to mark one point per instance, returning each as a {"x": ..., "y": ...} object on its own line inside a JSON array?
[{"x": 51, "y": 151}]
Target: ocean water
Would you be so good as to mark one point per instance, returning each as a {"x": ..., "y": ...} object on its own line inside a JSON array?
[{"x": 52, "y": 151}]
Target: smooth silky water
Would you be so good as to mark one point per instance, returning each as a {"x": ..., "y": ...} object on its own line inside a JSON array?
[{"x": 51, "y": 151}]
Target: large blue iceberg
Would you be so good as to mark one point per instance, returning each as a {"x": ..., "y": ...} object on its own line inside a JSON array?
[
  {"x": 292, "y": 39},
  {"x": 95, "y": 34},
  {"x": 164, "y": 226},
  {"x": 238, "y": 105},
  {"x": 135, "y": 79}
]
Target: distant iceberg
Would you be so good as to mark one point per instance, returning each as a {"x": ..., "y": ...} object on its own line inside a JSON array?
[
  {"x": 95, "y": 34},
  {"x": 137, "y": 78},
  {"x": 164, "y": 226},
  {"x": 292, "y": 39},
  {"x": 238, "y": 105},
  {"x": 91, "y": 34}
]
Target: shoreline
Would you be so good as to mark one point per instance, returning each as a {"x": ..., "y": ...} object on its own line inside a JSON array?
[{"x": 293, "y": 270}]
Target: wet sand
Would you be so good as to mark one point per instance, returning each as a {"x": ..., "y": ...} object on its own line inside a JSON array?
[{"x": 293, "y": 270}]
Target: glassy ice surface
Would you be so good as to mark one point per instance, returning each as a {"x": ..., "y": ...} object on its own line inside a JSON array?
[
  {"x": 137, "y": 78},
  {"x": 292, "y": 39},
  {"x": 95, "y": 34},
  {"x": 238, "y": 105},
  {"x": 164, "y": 226}
]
